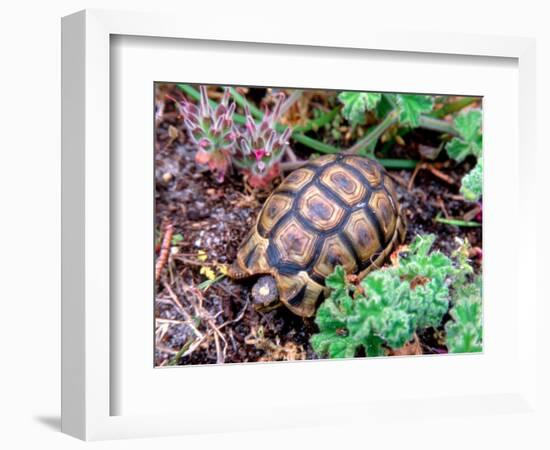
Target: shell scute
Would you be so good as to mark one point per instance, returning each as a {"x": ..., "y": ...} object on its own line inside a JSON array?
[
  {"x": 295, "y": 244},
  {"x": 381, "y": 205},
  {"x": 275, "y": 209},
  {"x": 335, "y": 251},
  {"x": 368, "y": 168},
  {"x": 362, "y": 234},
  {"x": 344, "y": 184},
  {"x": 319, "y": 210},
  {"x": 296, "y": 180}
]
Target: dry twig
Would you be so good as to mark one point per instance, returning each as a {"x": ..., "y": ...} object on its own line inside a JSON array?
[
  {"x": 164, "y": 250},
  {"x": 431, "y": 168}
]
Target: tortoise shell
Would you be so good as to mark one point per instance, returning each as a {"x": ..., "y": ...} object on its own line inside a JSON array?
[{"x": 336, "y": 210}]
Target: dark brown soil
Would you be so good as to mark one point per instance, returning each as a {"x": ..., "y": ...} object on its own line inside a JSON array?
[{"x": 210, "y": 219}]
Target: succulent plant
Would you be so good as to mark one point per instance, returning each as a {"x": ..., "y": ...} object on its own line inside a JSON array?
[
  {"x": 260, "y": 147},
  {"x": 213, "y": 131}
]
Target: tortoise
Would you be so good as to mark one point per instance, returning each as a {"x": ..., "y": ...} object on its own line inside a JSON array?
[{"x": 335, "y": 210}]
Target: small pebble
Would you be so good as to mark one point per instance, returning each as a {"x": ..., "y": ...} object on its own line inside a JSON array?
[{"x": 193, "y": 214}]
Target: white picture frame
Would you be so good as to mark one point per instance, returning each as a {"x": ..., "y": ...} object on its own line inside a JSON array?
[{"x": 88, "y": 325}]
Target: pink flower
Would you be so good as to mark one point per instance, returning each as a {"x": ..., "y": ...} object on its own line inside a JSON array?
[
  {"x": 203, "y": 143},
  {"x": 259, "y": 153}
]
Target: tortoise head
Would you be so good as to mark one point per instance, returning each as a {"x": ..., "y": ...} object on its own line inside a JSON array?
[{"x": 265, "y": 294}]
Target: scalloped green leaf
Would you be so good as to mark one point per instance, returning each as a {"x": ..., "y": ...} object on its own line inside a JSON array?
[
  {"x": 468, "y": 125},
  {"x": 387, "y": 103},
  {"x": 337, "y": 279},
  {"x": 458, "y": 149},
  {"x": 412, "y": 106},
  {"x": 472, "y": 183},
  {"x": 357, "y": 103},
  {"x": 469, "y": 141},
  {"x": 464, "y": 331}
]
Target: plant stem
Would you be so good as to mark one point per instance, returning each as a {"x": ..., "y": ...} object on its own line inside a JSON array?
[
  {"x": 174, "y": 360},
  {"x": 207, "y": 283},
  {"x": 394, "y": 163},
  {"x": 442, "y": 126},
  {"x": 457, "y": 222},
  {"x": 317, "y": 123},
  {"x": 194, "y": 94},
  {"x": 453, "y": 107},
  {"x": 374, "y": 134},
  {"x": 388, "y": 163},
  {"x": 315, "y": 144}
]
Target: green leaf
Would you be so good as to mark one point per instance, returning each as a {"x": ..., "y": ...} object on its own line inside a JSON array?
[
  {"x": 357, "y": 103},
  {"x": 458, "y": 149},
  {"x": 464, "y": 331},
  {"x": 374, "y": 346},
  {"x": 387, "y": 104},
  {"x": 469, "y": 142},
  {"x": 412, "y": 106},
  {"x": 337, "y": 279},
  {"x": 329, "y": 317},
  {"x": 429, "y": 303},
  {"x": 334, "y": 345},
  {"x": 176, "y": 239},
  {"x": 421, "y": 245},
  {"x": 343, "y": 348},
  {"x": 472, "y": 183},
  {"x": 469, "y": 125},
  {"x": 398, "y": 327}
]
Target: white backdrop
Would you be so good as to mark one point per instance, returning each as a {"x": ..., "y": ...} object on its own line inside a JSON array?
[{"x": 29, "y": 182}]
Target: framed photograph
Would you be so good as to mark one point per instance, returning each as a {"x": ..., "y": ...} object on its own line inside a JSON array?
[
  {"x": 313, "y": 211},
  {"x": 247, "y": 246}
]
